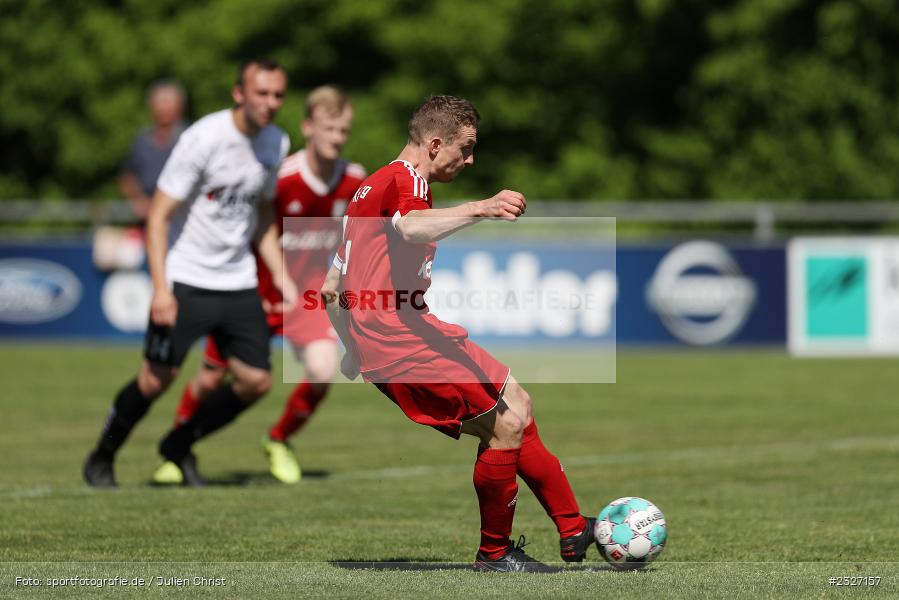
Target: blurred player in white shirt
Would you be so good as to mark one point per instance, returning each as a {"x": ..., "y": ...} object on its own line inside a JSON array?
[
  {"x": 214, "y": 190},
  {"x": 314, "y": 185}
]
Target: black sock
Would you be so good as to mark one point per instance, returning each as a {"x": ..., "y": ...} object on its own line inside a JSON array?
[
  {"x": 129, "y": 407},
  {"x": 215, "y": 411}
]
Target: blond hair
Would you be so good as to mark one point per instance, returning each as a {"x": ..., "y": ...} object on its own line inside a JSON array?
[{"x": 330, "y": 97}]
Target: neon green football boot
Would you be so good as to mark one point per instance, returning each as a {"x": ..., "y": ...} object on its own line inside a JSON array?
[
  {"x": 168, "y": 473},
  {"x": 282, "y": 462}
]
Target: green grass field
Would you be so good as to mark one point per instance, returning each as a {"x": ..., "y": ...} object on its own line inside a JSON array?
[{"x": 774, "y": 475}]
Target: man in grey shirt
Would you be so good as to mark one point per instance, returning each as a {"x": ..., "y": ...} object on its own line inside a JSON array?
[{"x": 137, "y": 181}]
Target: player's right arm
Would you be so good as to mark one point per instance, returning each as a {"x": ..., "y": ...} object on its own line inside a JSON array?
[
  {"x": 163, "y": 307},
  {"x": 349, "y": 365},
  {"x": 433, "y": 224},
  {"x": 129, "y": 186},
  {"x": 181, "y": 173}
]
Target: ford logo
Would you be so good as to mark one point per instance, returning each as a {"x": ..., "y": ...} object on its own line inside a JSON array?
[
  {"x": 36, "y": 291},
  {"x": 701, "y": 309}
]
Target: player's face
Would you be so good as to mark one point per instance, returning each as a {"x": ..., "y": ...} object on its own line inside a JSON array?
[
  {"x": 261, "y": 95},
  {"x": 167, "y": 107},
  {"x": 327, "y": 133},
  {"x": 454, "y": 156}
]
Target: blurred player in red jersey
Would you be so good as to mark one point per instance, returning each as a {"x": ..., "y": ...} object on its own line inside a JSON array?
[
  {"x": 314, "y": 182},
  {"x": 430, "y": 369}
]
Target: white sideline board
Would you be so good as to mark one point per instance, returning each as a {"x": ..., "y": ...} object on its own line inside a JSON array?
[{"x": 843, "y": 296}]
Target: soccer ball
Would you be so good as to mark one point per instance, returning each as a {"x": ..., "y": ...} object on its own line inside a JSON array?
[{"x": 630, "y": 532}]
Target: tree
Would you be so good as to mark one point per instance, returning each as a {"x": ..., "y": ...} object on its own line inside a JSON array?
[{"x": 591, "y": 99}]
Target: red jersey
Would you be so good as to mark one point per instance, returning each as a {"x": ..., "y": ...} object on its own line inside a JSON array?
[
  {"x": 308, "y": 243},
  {"x": 384, "y": 278}
]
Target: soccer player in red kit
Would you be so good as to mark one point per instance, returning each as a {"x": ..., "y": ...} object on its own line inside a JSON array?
[
  {"x": 374, "y": 294},
  {"x": 314, "y": 182}
]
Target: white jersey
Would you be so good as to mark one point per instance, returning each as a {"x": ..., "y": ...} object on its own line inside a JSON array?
[{"x": 220, "y": 175}]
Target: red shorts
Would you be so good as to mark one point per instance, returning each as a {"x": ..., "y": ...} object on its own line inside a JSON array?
[
  {"x": 443, "y": 389},
  {"x": 302, "y": 327},
  {"x": 300, "y": 332}
]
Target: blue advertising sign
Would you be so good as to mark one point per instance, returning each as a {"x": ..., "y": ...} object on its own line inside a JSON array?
[
  {"x": 53, "y": 290},
  {"x": 697, "y": 293},
  {"x": 545, "y": 292},
  {"x": 701, "y": 293}
]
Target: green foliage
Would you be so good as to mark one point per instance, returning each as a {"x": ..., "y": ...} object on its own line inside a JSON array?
[{"x": 610, "y": 99}]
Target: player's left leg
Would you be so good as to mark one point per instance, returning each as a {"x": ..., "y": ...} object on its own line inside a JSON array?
[
  {"x": 319, "y": 358},
  {"x": 543, "y": 473},
  {"x": 225, "y": 403},
  {"x": 210, "y": 376},
  {"x": 219, "y": 409},
  {"x": 500, "y": 431},
  {"x": 320, "y": 361},
  {"x": 243, "y": 336}
]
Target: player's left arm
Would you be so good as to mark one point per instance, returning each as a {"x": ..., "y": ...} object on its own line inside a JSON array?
[
  {"x": 269, "y": 248},
  {"x": 433, "y": 224},
  {"x": 268, "y": 243}
]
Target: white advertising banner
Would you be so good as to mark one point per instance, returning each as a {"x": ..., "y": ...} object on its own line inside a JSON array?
[{"x": 843, "y": 296}]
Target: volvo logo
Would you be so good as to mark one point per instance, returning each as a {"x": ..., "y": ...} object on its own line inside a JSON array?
[
  {"x": 36, "y": 291},
  {"x": 126, "y": 300},
  {"x": 700, "y": 293}
]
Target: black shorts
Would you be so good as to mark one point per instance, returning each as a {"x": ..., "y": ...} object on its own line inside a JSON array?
[{"x": 234, "y": 319}]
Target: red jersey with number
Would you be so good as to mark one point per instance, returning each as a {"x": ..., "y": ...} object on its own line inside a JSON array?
[
  {"x": 384, "y": 278},
  {"x": 308, "y": 242}
]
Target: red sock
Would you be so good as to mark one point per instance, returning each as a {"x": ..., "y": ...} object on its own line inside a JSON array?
[
  {"x": 545, "y": 476},
  {"x": 300, "y": 405},
  {"x": 497, "y": 489},
  {"x": 187, "y": 407}
]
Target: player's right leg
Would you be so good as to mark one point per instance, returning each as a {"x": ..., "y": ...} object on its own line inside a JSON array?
[
  {"x": 130, "y": 405},
  {"x": 165, "y": 349}
]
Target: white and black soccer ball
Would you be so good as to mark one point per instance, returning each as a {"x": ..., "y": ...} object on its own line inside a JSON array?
[{"x": 630, "y": 532}]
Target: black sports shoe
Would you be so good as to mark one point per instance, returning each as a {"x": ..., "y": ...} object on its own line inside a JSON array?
[
  {"x": 192, "y": 477},
  {"x": 179, "y": 468},
  {"x": 574, "y": 547},
  {"x": 513, "y": 561},
  {"x": 98, "y": 471}
]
